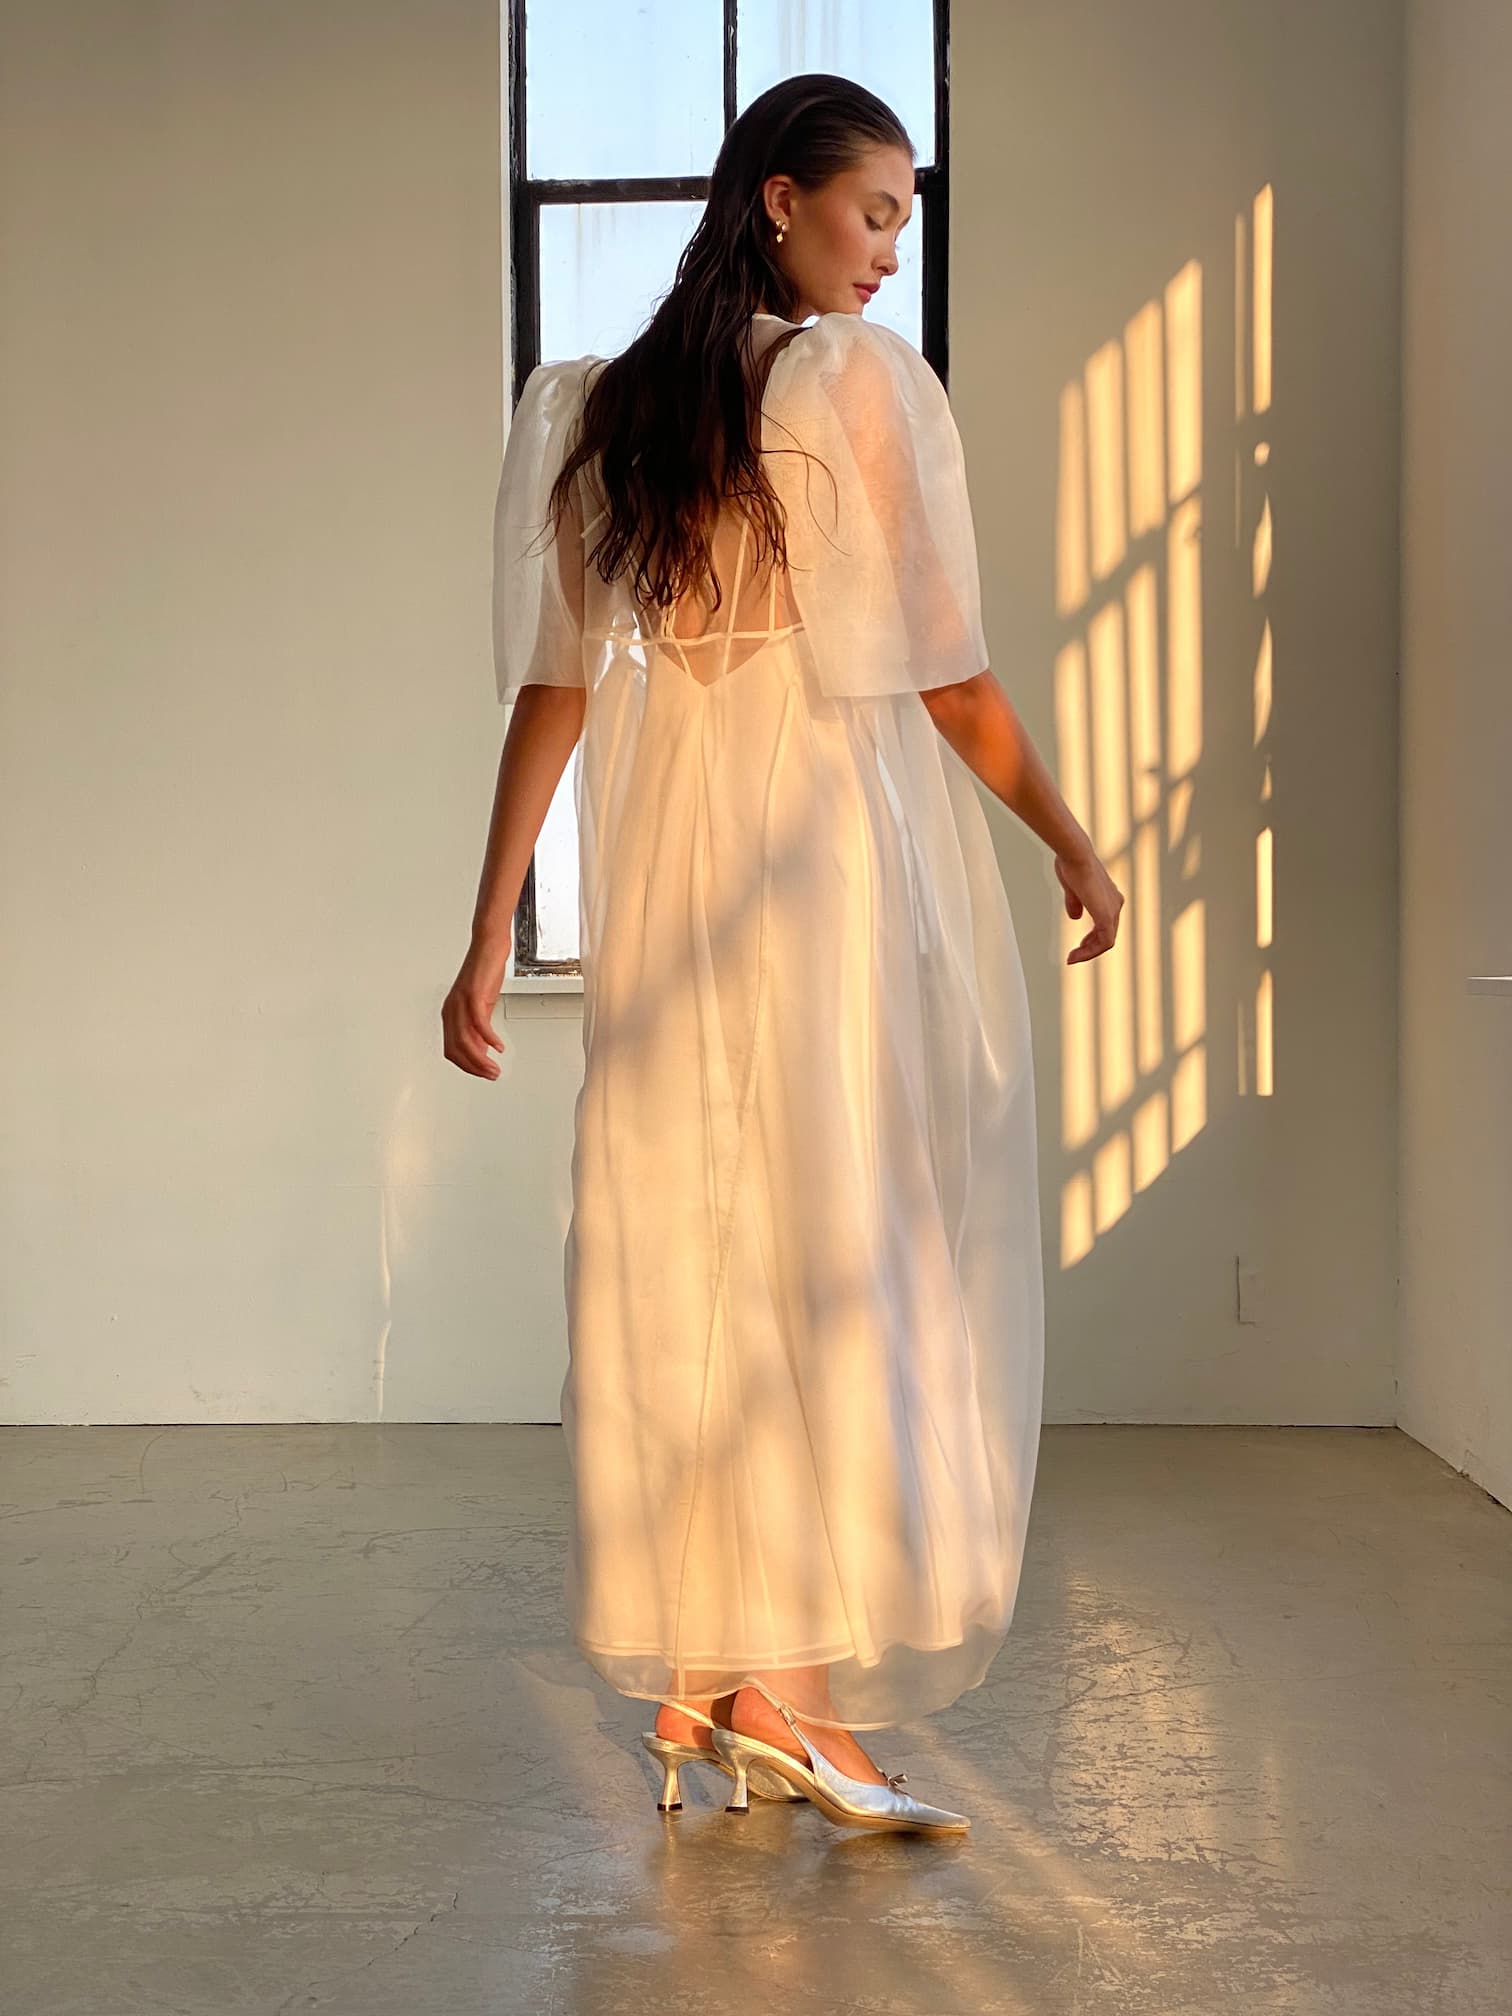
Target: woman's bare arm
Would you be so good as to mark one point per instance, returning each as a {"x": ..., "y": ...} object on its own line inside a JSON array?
[
  {"x": 981, "y": 724},
  {"x": 544, "y": 726}
]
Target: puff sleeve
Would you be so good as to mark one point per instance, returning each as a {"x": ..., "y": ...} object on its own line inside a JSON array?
[
  {"x": 538, "y": 574},
  {"x": 882, "y": 548}
]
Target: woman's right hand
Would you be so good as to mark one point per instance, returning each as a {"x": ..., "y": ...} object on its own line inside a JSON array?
[
  {"x": 1090, "y": 888},
  {"x": 467, "y": 1027}
]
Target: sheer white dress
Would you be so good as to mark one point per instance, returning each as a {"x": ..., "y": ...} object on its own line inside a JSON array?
[{"x": 803, "y": 1269}]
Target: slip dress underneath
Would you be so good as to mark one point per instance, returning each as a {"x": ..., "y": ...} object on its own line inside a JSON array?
[{"x": 802, "y": 1269}]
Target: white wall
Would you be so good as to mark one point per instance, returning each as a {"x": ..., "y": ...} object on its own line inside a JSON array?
[
  {"x": 252, "y": 385},
  {"x": 1099, "y": 150},
  {"x": 1456, "y": 1057},
  {"x": 251, "y": 373}
]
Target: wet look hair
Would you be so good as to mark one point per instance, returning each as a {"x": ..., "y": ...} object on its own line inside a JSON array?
[{"x": 671, "y": 427}]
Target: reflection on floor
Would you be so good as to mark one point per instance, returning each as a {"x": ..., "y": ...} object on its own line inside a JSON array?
[{"x": 292, "y": 1725}]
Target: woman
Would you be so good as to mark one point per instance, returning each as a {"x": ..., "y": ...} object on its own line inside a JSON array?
[{"x": 735, "y": 568}]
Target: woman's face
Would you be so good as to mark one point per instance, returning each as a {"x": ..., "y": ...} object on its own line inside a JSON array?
[{"x": 840, "y": 241}]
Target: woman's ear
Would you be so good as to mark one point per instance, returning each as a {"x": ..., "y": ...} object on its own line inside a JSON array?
[{"x": 777, "y": 199}]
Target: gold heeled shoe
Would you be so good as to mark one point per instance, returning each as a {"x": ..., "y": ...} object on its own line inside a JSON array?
[
  {"x": 672, "y": 1755},
  {"x": 852, "y": 1802}
]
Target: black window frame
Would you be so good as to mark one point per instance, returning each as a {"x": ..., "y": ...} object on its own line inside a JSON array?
[{"x": 528, "y": 196}]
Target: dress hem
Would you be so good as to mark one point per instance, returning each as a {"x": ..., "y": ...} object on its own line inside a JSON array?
[
  {"x": 986, "y": 1642},
  {"x": 820, "y": 1655},
  {"x": 857, "y": 1725}
]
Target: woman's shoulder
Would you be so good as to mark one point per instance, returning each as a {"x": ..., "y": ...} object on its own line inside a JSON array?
[
  {"x": 544, "y": 423},
  {"x": 557, "y": 386},
  {"x": 839, "y": 333},
  {"x": 858, "y": 359}
]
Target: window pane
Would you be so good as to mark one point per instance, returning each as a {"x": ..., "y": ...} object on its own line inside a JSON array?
[
  {"x": 604, "y": 267},
  {"x": 612, "y": 90},
  {"x": 887, "y": 45},
  {"x": 556, "y": 874},
  {"x": 899, "y": 302}
]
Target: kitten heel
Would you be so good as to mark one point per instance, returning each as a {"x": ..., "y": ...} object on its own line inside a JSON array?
[
  {"x": 671, "y": 1757},
  {"x": 740, "y": 1798}
]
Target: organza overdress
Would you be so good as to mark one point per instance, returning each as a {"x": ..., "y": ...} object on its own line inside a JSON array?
[{"x": 803, "y": 1270}]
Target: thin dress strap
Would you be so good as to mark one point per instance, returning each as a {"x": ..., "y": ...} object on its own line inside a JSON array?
[{"x": 734, "y": 600}]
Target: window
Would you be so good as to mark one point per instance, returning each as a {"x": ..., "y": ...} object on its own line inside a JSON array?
[{"x": 614, "y": 119}]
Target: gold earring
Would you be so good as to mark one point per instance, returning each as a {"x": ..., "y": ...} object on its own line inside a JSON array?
[{"x": 781, "y": 228}]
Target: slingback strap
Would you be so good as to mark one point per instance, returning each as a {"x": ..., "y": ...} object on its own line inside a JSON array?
[
  {"x": 894, "y": 1778},
  {"x": 686, "y": 1708}
]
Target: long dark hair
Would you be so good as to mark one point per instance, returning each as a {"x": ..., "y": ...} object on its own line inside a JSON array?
[{"x": 673, "y": 422}]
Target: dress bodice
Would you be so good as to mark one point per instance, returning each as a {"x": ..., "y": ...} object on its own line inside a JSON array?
[
  {"x": 755, "y": 603},
  {"x": 880, "y": 584}
]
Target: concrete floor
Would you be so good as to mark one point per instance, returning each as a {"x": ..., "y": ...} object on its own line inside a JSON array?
[{"x": 291, "y": 1725}]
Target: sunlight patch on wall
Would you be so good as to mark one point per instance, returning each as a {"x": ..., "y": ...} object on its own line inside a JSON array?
[
  {"x": 1072, "y": 568},
  {"x": 1131, "y": 510},
  {"x": 1254, "y": 242},
  {"x": 1105, "y": 442},
  {"x": 1128, "y": 719},
  {"x": 1183, "y": 319}
]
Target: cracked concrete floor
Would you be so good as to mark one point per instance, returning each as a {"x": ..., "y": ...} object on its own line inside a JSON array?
[{"x": 291, "y": 1725}]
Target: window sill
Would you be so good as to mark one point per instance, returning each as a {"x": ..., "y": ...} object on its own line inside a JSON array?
[{"x": 535, "y": 994}]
